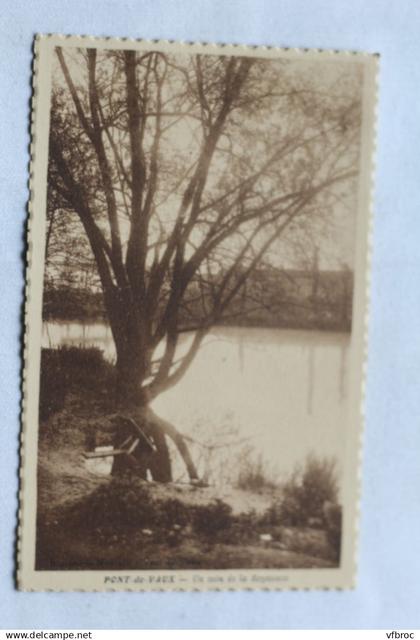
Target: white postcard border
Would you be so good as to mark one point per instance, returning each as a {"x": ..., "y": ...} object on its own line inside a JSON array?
[{"x": 180, "y": 580}]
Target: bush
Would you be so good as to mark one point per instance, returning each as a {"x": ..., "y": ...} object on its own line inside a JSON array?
[
  {"x": 310, "y": 542},
  {"x": 209, "y": 520},
  {"x": 253, "y": 475},
  {"x": 119, "y": 503},
  {"x": 305, "y": 494},
  {"x": 53, "y": 383},
  {"x": 173, "y": 512},
  {"x": 333, "y": 519},
  {"x": 126, "y": 502},
  {"x": 272, "y": 517},
  {"x": 86, "y": 367},
  {"x": 68, "y": 368},
  {"x": 245, "y": 528}
]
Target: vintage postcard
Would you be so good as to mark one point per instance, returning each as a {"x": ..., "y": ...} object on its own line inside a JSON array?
[{"x": 195, "y": 316}]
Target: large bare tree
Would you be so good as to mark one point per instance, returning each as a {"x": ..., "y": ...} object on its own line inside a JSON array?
[{"x": 187, "y": 173}]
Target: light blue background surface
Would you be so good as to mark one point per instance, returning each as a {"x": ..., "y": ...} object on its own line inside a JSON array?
[{"x": 387, "y": 595}]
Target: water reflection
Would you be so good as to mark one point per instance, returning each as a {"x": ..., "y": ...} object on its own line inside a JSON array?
[
  {"x": 311, "y": 374},
  {"x": 283, "y": 391},
  {"x": 343, "y": 371}
]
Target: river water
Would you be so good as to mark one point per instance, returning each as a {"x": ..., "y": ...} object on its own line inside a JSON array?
[{"x": 272, "y": 395}]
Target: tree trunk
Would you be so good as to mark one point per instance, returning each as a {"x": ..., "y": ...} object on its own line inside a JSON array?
[
  {"x": 131, "y": 402},
  {"x": 131, "y": 363},
  {"x": 142, "y": 460},
  {"x": 132, "y": 369},
  {"x": 160, "y": 463},
  {"x": 168, "y": 429},
  {"x": 130, "y": 373}
]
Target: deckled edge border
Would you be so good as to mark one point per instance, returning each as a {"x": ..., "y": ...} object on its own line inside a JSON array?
[
  {"x": 370, "y": 226},
  {"x": 210, "y": 47},
  {"x": 27, "y": 293}
]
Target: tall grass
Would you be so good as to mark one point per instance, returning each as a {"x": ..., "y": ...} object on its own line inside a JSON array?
[
  {"x": 308, "y": 490},
  {"x": 254, "y": 474}
]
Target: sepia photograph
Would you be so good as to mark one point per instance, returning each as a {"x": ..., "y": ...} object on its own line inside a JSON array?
[{"x": 196, "y": 317}]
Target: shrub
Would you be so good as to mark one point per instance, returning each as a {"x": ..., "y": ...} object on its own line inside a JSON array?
[
  {"x": 253, "y": 474},
  {"x": 173, "y": 512},
  {"x": 119, "y": 503},
  {"x": 126, "y": 502},
  {"x": 244, "y": 529},
  {"x": 53, "y": 383},
  {"x": 86, "y": 367},
  {"x": 272, "y": 517},
  {"x": 71, "y": 367},
  {"x": 305, "y": 494},
  {"x": 211, "y": 519},
  {"x": 333, "y": 519}
]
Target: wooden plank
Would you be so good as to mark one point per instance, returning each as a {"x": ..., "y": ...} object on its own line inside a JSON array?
[
  {"x": 139, "y": 431},
  {"x": 104, "y": 454},
  {"x": 128, "y": 446},
  {"x": 126, "y": 442},
  {"x": 133, "y": 446}
]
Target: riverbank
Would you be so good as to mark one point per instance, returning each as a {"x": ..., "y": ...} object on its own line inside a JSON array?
[
  {"x": 98, "y": 523},
  {"x": 86, "y": 520}
]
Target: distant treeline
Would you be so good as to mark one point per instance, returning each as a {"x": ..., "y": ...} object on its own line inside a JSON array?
[
  {"x": 286, "y": 299},
  {"x": 72, "y": 303}
]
